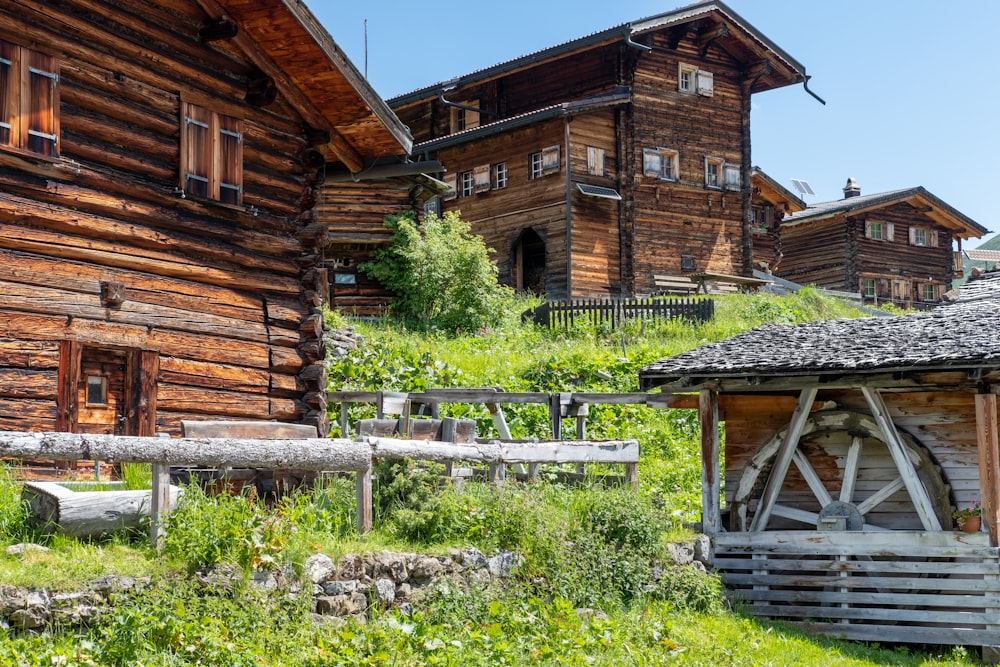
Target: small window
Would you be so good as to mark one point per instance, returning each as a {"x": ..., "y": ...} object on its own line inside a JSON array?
[
  {"x": 876, "y": 230},
  {"x": 868, "y": 287},
  {"x": 97, "y": 390},
  {"x": 688, "y": 263},
  {"x": 466, "y": 184},
  {"x": 211, "y": 155},
  {"x": 760, "y": 218},
  {"x": 929, "y": 292},
  {"x": 731, "y": 176},
  {"x": 499, "y": 175},
  {"x": 595, "y": 161},
  {"x": 464, "y": 119},
  {"x": 920, "y": 236},
  {"x": 29, "y": 102},
  {"x": 535, "y": 165},
  {"x": 544, "y": 162},
  {"x": 660, "y": 163},
  {"x": 713, "y": 172},
  {"x": 690, "y": 79}
]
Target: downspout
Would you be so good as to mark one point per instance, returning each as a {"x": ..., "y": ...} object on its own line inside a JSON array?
[
  {"x": 805, "y": 84},
  {"x": 569, "y": 213}
]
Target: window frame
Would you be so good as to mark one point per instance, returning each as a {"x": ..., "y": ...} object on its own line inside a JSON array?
[
  {"x": 544, "y": 162},
  {"x": 871, "y": 283},
  {"x": 714, "y": 168},
  {"x": 28, "y": 113},
  {"x": 886, "y": 233},
  {"x": 499, "y": 174},
  {"x": 466, "y": 184},
  {"x": 221, "y": 153},
  {"x": 656, "y": 162},
  {"x": 535, "y": 166},
  {"x": 928, "y": 288},
  {"x": 694, "y": 81}
]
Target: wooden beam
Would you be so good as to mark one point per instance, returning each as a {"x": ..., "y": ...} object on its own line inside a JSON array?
[
  {"x": 340, "y": 146},
  {"x": 783, "y": 460},
  {"x": 988, "y": 446},
  {"x": 918, "y": 494},
  {"x": 708, "y": 415}
]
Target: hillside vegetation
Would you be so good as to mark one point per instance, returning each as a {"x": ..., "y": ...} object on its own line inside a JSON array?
[{"x": 594, "y": 586}]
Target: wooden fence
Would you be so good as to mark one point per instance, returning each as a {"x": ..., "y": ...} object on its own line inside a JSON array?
[{"x": 613, "y": 312}]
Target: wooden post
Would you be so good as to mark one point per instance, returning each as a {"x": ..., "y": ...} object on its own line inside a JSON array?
[
  {"x": 708, "y": 415},
  {"x": 160, "y": 506},
  {"x": 364, "y": 500},
  {"x": 581, "y": 411},
  {"x": 500, "y": 423},
  {"x": 988, "y": 445}
]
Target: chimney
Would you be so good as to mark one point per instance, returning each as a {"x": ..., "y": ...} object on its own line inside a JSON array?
[{"x": 852, "y": 189}]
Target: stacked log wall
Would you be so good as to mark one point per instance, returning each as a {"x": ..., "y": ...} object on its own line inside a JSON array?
[
  {"x": 684, "y": 217},
  {"x": 215, "y": 290},
  {"x": 815, "y": 253}
]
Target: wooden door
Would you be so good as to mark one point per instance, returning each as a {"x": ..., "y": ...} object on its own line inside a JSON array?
[{"x": 102, "y": 392}]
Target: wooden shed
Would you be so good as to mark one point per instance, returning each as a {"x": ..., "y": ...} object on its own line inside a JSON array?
[
  {"x": 849, "y": 444},
  {"x": 159, "y": 167}
]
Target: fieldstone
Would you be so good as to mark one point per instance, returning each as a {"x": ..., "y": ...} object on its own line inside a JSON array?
[
  {"x": 473, "y": 558},
  {"x": 405, "y": 609},
  {"x": 478, "y": 577},
  {"x": 703, "y": 551},
  {"x": 503, "y": 564},
  {"x": 28, "y": 619},
  {"x": 681, "y": 553},
  {"x": 426, "y": 568},
  {"x": 385, "y": 591},
  {"x": 25, "y": 547},
  {"x": 341, "y": 605},
  {"x": 350, "y": 566},
  {"x": 340, "y": 587},
  {"x": 319, "y": 568},
  {"x": 82, "y": 614},
  {"x": 390, "y": 565},
  {"x": 328, "y": 621}
]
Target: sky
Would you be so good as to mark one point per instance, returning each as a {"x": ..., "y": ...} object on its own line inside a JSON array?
[{"x": 911, "y": 86}]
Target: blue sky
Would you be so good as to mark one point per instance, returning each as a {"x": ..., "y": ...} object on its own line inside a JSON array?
[{"x": 910, "y": 86}]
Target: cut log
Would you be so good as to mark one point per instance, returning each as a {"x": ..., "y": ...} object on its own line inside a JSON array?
[{"x": 56, "y": 508}]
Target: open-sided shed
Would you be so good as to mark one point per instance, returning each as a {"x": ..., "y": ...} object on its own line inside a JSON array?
[{"x": 849, "y": 444}]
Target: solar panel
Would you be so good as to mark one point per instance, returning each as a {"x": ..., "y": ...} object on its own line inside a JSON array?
[
  {"x": 598, "y": 191},
  {"x": 802, "y": 186}
]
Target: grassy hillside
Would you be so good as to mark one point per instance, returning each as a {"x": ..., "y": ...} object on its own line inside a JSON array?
[{"x": 595, "y": 586}]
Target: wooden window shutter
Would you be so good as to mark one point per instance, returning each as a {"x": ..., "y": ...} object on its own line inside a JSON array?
[
  {"x": 550, "y": 160},
  {"x": 451, "y": 180},
  {"x": 481, "y": 178},
  {"x": 868, "y": 229},
  {"x": 196, "y": 148},
  {"x": 42, "y": 130},
  {"x": 932, "y": 238},
  {"x": 651, "y": 162},
  {"x": 230, "y": 160},
  {"x": 913, "y": 236},
  {"x": 706, "y": 83},
  {"x": 595, "y": 161},
  {"x": 8, "y": 93},
  {"x": 889, "y": 231}
]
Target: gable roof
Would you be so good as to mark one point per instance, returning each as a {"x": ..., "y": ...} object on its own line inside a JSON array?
[
  {"x": 287, "y": 43},
  {"x": 744, "y": 41},
  {"x": 959, "y": 224},
  {"x": 960, "y": 334},
  {"x": 775, "y": 193}
]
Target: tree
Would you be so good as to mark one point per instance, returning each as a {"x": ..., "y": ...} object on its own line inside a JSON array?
[{"x": 440, "y": 273}]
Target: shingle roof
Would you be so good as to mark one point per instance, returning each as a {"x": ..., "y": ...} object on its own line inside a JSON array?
[
  {"x": 958, "y": 334},
  {"x": 980, "y": 255}
]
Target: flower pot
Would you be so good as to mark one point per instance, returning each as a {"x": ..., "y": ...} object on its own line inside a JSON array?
[{"x": 970, "y": 524}]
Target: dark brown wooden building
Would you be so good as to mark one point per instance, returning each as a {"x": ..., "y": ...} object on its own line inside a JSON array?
[
  {"x": 895, "y": 246},
  {"x": 159, "y": 167},
  {"x": 592, "y": 165},
  {"x": 770, "y": 202}
]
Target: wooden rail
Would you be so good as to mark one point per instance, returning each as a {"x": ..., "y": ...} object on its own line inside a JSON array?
[{"x": 614, "y": 312}]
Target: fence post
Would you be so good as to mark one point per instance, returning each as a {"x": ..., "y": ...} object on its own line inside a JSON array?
[
  {"x": 363, "y": 494},
  {"x": 160, "y": 506}
]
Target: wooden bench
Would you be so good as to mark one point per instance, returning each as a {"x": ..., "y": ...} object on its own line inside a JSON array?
[
  {"x": 674, "y": 285},
  {"x": 724, "y": 283}
]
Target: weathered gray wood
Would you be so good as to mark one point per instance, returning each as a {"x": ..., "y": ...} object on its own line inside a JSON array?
[
  {"x": 259, "y": 430},
  {"x": 915, "y": 635},
  {"x": 988, "y": 448},
  {"x": 300, "y": 454},
  {"x": 428, "y": 450},
  {"x": 571, "y": 451},
  {"x": 851, "y": 471},
  {"x": 708, "y": 415},
  {"x": 783, "y": 459},
  {"x": 911, "y": 568},
  {"x": 161, "y": 504},
  {"x": 363, "y": 495},
  {"x": 944, "y": 544},
  {"x": 87, "y": 513}
]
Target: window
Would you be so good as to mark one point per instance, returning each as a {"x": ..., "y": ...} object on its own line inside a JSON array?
[
  {"x": 499, "y": 175},
  {"x": 921, "y": 236},
  {"x": 543, "y": 163},
  {"x": 97, "y": 390},
  {"x": 713, "y": 172},
  {"x": 211, "y": 155},
  {"x": 29, "y": 102},
  {"x": 877, "y": 230},
  {"x": 690, "y": 79},
  {"x": 464, "y": 119},
  {"x": 595, "y": 161},
  {"x": 660, "y": 163},
  {"x": 466, "y": 184},
  {"x": 929, "y": 292},
  {"x": 731, "y": 176},
  {"x": 868, "y": 287},
  {"x": 760, "y": 218}
]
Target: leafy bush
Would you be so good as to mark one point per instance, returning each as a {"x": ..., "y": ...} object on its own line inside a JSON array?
[
  {"x": 441, "y": 274},
  {"x": 14, "y": 511}
]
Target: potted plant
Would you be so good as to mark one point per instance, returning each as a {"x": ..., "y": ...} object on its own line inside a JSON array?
[{"x": 970, "y": 518}]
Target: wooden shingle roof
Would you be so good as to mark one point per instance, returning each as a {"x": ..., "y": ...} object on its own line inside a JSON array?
[{"x": 959, "y": 334}]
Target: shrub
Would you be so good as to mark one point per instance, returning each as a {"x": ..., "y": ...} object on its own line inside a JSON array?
[{"x": 441, "y": 274}]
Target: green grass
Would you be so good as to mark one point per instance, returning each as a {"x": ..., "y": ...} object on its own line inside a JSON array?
[{"x": 584, "y": 547}]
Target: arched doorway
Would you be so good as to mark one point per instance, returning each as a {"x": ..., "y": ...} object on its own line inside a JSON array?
[{"x": 528, "y": 262}]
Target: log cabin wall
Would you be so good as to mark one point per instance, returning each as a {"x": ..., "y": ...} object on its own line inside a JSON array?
[
  {"x": 943, "y": 422},
  {"x": 215, "y": 296},
  {"x": 502, "y": 215},
  {"x": 683, "y": 226},
  {"x": 814, "y": 253}
]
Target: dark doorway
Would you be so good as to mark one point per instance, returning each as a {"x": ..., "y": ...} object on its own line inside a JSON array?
[{"x": 529, "y": 262}]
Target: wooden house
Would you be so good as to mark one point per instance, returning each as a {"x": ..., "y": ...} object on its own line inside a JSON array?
[
  {"x": 849, "y": 445},
  {"x": 159, "y": 167},
  {"x": 595, "y": 164},
  {"x": 770, "y": 202},
  {"x": 892, "y": 246}
]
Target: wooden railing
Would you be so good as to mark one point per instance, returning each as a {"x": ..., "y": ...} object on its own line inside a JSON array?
[{"x": 614, "y": 312}]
